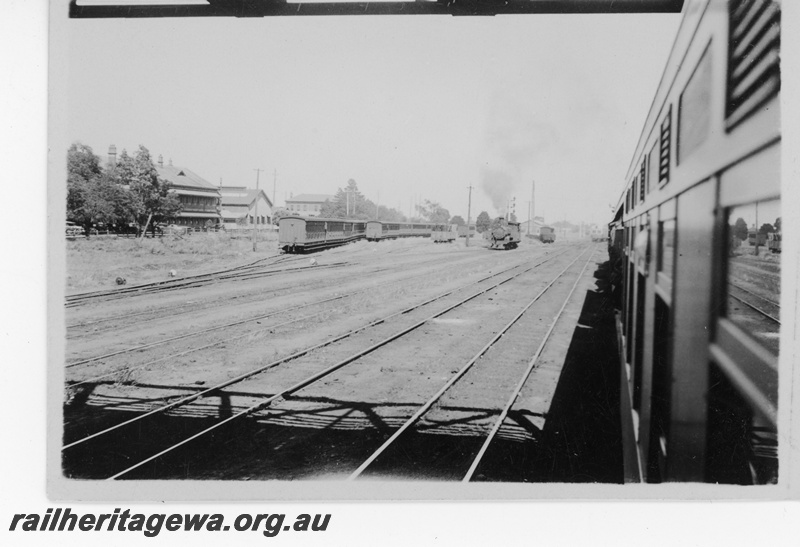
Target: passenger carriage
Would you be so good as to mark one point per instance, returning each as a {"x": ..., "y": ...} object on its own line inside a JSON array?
[
  {"x": 699, "y": 317},
  {"x": 377, "y": 230},
  {"x": 444, "y": 233},
  {"x": 300, "y": 235},
  {"x": 547, "y": 234}
]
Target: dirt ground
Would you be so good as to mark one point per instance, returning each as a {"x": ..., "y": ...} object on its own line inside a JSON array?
[
  {"x": 329, "y": 427},
  {"x": 96, "y": 262}
]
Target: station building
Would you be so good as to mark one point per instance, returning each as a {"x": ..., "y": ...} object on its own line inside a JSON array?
[
  {"x": 242, "y": 206},
  {"x": 200, "y": 200},
  {"x": 307, "y": 205}
]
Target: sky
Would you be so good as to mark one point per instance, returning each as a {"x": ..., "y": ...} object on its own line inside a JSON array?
[{"x": 410, "y": 107}]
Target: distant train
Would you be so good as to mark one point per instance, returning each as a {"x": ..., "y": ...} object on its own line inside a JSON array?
[
  {"x": 302, "y": 235},
  {"x": 774, "y": 242},
  {"x": 376, "y": 230},
  {"x": 698, "y": 318},
  {"x": 503, "y": 234},
  {"x": 547, "y": 234},
  {"x": 463, "y": 230},
  {"x": 444, "y": 233},
  {"x": 597, "y": 234},
  {"x": 754, "y": 238}
]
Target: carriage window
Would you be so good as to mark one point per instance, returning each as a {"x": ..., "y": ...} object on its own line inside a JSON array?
[
  {"x": 754, "y": 270},
  {"x": 694, "y": 111},
  {"x": 666, "y": 246}
]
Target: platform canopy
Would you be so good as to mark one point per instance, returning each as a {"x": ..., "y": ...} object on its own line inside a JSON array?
[{"x": 88, "y": 9}]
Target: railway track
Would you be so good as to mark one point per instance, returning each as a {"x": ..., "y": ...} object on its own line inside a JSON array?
[
  {"x": 252, "y": 320},
  {"x": 242, "y": 273},
  {"x": 307, "y": 380},
  {"x": 308, "y": 349},
  {"x": 758, "y": 308},
  {"x": 171, "y": 310},
  {"x": 395, "y": 440}
]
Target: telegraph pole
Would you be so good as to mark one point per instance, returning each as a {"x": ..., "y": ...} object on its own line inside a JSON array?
[
  {"x": 469, "y": 212},
  {"x": 756, "y": 251},
  {"x": 529, "y": 218},
  {"x": 533, "y": 204},
  {"x": 274, "y": 184},
  {"x": 255, "y": 214}
]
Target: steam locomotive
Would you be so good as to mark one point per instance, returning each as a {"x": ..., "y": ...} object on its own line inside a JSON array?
[{"x": 503, "y": 234}]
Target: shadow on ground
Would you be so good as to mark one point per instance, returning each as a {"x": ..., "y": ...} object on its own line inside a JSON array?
[{"x": 581, "y": 440}]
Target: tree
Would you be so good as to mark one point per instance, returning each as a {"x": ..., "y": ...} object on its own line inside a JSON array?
[
  {"x": 483, "y": 222},
  {"x": 433, "y": 212},
  {"x": 279, "y": 212},
  {"x": 458, "y": 221},
  {"x": 82, "y": 163},
  {"x": 513, "y": 217},
  {"x": 348, "y": 202},
  {"x": 778, "y": 224},
  {"x": 126, "y": 205},
  {"x": 91, "y": 198},
  {"x": 766, "y": 228},
  {"x": 740, "y": 229},
  {"x": 386, "y": 214},
  {"x": 151, "y": 194},
  {"x": 332, "y": 209},
  {"x": 124, "y": 171},
  {"x": 92, "y": 202}
]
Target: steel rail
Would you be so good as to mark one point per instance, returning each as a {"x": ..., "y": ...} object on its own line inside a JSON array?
[
  {"x": 184, "y": 284},
  {"x": 756, "y": 308},
  {"x": 457, "y": 376},
  {"x": 182, "y": 311},
  {"x": 523, "y": 380},
  {"x": 104, "y": 292},
  {"x": 146, "y": 346},
  {"x": 199, "y": 332},
  {"x": 155, "y": 286},
  {"x": 291, "y": 357},
  {"x": 192, "y": 285},
  {"x": 188, "y": 352},
  {"x": 325, "y": 372},
  {"x": 154, "y": 311},
  {"x": 764, "y": 298}
]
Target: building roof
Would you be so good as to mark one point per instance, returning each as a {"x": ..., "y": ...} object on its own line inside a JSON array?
[
  {"x": 235, "y": 211},
  {"x": 536, "y": 222},
  {"x": 310, "y": 198},
  {"x": 182, "y": 177},
  {"x": 239, "y": 195}
]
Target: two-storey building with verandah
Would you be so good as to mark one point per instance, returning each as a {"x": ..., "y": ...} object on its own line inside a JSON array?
[{"x": 200, "y": 200}]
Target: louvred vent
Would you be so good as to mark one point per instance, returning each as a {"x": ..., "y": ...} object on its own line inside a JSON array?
[
  {"x": 754, "y": 57},
  {"x": 666, "y": 130},
  {"x": 642, "y": 175}
]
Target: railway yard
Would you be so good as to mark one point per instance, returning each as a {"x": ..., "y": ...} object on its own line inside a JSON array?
[{"x": 397, "y": 360}]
